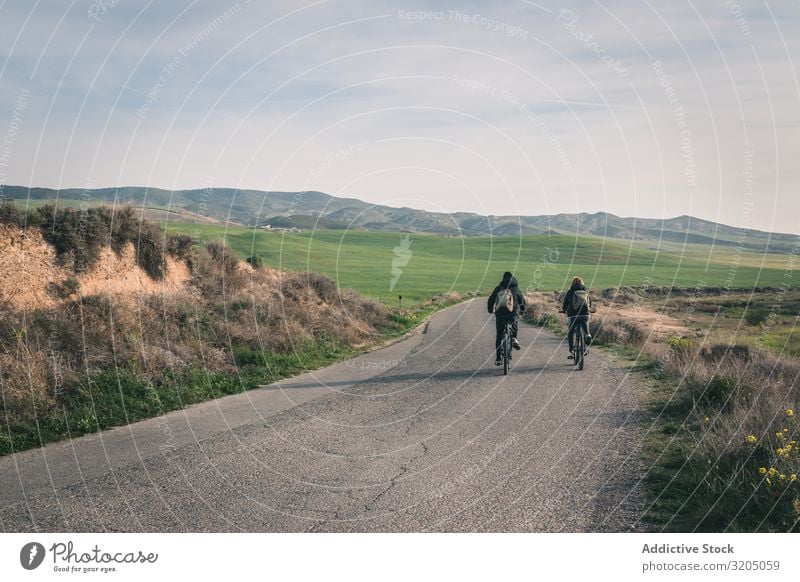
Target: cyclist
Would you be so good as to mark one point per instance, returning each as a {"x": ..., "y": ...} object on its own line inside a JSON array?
[
  {"x": 498, "y": 304},
  {"x": 577, "y": 305}
]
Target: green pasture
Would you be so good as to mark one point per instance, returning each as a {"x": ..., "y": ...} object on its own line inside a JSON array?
[{"x": 366, "y": 261}]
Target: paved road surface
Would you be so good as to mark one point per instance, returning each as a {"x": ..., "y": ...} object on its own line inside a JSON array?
[{"x": 425, "y": 435}]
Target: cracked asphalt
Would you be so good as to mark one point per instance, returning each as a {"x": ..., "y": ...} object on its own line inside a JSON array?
[{"x": 424, "y": 435}]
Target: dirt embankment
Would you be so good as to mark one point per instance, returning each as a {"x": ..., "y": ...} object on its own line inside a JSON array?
[
  {"x": 30, "y": 272},
  {"x": 658, "y": 325}
]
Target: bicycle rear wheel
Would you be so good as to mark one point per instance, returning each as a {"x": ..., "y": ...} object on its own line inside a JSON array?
[
  {"x": 506, "y": 355},
  {"x": 580, "y": 348},
  {"x": 506, "y": 349}
]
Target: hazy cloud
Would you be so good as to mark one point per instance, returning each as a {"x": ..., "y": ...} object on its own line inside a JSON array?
[{"x": 494, "y": 107}]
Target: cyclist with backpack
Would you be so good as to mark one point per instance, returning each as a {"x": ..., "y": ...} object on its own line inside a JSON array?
[
  {"x": 506, "y": 302},
  {"x": 577, "y": 305}
]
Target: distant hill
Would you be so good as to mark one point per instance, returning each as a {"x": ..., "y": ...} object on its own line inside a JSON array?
[{"x": 319, "y": 210}]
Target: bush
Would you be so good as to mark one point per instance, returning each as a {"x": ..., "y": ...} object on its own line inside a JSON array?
[
  {"x": 323, "y": 286},
  {"x": 244, "y": 356},
  {"x": 718, "y": 392},
  {"x": 756, "y": 316},
  {"x": 180, "y": 246},
  {"x": 215, "y": 270},
  {"x": 738, "y": 353},
  {"x": 680, "y": 346},
  {"x": 255, "y": 261},
  {"x": 70, "y": 286},
  {"x": 616, "y": 332},
  {"x": 150, "y": 248},
  {"x": 13, "y": 215},
  {"x": 78, "y": 236}
]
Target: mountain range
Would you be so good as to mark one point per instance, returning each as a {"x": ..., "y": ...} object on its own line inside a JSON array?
[{"x": 311, "y": 209}]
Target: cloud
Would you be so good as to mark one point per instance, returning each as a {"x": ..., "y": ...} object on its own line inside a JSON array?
[{"x": 468, "y": 106}]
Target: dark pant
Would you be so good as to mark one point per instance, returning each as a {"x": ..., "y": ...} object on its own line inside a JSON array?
[
  {"x": 500, "y": 323},
  {"x": 574, "y": 322}
]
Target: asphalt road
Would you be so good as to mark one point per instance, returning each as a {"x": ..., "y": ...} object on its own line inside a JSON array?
[{"x": 425, "y": 435}]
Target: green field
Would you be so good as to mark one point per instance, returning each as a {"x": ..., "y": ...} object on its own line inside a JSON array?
[{"x": 363, "y": 261}]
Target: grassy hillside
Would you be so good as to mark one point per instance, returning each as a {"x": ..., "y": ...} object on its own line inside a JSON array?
[{"x": 364, "y": 261}]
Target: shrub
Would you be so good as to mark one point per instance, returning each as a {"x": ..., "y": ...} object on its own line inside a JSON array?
[
  {"x": 255, "y": 261},
  {"x": 738, "y": 353},
  {"x": 150, "y": 254},
  {"x": 78, "y": 236},
  {"x": 245, "y": 356},
  {"x": 323, "y": 286},
  {"x": 756, "y": 316},
  {"x": 215, "y": 270},
  {"x": 680, "y": 346},
  {"x": 180, "y": 246},
  {"x": 13, "y": 215},
  {"x": 718, "y": 391},
  {"x": 616, "y": 332},
  {"x": 70, "y": 286}
]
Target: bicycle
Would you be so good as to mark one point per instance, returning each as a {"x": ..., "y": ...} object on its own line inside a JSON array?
[
  {"x": 505, "y": 347},
  {"x": 580, "y": 343},
  {"x": 580, "y": 347}
]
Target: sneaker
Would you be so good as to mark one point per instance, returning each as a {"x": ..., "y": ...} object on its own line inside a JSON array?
[
  {"x": 498, "y": 361},
  {"x": 515, "y": 344},
  {"x": 570, "y": 356},
  {"x": 588, "y": 340}
]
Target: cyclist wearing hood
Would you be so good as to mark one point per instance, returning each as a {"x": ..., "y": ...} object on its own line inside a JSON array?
[
  {"x": 503, "y": 315},
  {"x": 577, "y": 313}
]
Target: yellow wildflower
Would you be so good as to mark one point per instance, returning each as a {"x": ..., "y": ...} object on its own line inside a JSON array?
[
  {"x": 781, "y": 476},
  {"x": 793, "y": 477},
  {"x": 779, "y": 436},
  {"x": 789, "y": 412},
  {"x": 762, "y": 471},
  {"x": 751, "y": 439},
  {"x": 769, "y": 482},
  {"x": 772, "y": 471}
]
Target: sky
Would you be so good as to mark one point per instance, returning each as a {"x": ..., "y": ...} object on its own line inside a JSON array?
[{"x": 634, "y": 107}]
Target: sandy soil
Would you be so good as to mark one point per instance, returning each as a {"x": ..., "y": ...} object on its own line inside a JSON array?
[{"x": 28, "y": 265}]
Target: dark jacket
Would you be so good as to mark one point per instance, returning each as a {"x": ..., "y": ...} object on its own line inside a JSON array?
[
  {"x": 567, "y": 306},
  {"x": 519, "y": 300}
]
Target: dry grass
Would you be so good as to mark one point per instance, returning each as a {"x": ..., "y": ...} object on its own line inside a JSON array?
[
  {"x": 605, "y": 328},
  {"x": 729, "y": 413},
  {"x": 741, "y": 467},
  {"x": 228, "y": 314}
]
